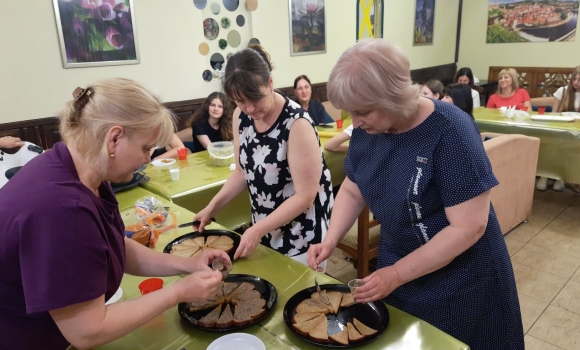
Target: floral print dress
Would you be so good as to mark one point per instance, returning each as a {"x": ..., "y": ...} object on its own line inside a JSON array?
[{"x": 264, "y": 162}]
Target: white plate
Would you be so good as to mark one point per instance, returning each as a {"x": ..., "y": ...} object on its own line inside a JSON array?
[
  {"x": 238, "y": 341},
  {"x": 571, "y": 114},
  {"x": 552, "y": 118},
  {"x": 163, "y": 162},
  {"x": 116, "y": 297}
]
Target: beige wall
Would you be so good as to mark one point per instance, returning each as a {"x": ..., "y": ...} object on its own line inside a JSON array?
[
  {"x": 478, "y": 55},
  {"x": 33, "y": 83}
]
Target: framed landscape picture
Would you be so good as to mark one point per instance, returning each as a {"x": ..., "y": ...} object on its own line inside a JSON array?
[
  {"x": 96, "y": 32},
  {"x": 307, "y": 27},
  {"x": 424, "y": 22}
]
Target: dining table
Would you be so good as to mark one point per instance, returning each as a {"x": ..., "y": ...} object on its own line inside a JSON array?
[
  {"x": 559, "y": 156},
  {"x": 169, "y": 331},
  {"x": 199, "y": 181}
]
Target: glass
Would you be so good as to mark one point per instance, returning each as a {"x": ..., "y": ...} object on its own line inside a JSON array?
[
  {"x": 222, "y": 266},
  {"x": 174, "y": 174},
  {"x": 541, "y": 110},
  {"x": 354, "y": 284},
  {"x": 182, "y": 152},
  {"x": 339, "y": 123}
]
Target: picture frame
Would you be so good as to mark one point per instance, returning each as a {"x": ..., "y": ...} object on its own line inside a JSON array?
[
  {"x": 307, "y": 27},
  {"x": 99, "y": 33},
  {"x": 369, "y": 19},
  {"x": 424, "y": 23}
]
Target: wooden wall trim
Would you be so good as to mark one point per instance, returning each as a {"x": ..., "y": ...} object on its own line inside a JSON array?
[{"x": 44, "y": 131}]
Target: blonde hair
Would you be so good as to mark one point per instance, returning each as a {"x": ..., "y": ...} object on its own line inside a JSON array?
[
  {"x": 111, "y": 102},
  {"x": 373, "y": 73},
  {"x": 569, "y": 93},
  {"x": 513, "y": 74}
]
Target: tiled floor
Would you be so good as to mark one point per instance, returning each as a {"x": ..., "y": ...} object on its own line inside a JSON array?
[{"x": 546, "y": 259}]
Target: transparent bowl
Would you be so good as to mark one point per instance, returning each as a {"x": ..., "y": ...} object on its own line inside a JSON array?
[{"x": 221, "y": 153}]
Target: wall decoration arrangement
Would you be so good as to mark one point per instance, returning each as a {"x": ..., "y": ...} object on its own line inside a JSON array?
[
  {"x": 307, "y": 27},
  {"x": 222, "y": 42},
  {"x": 369, "y": 19},
  {"x": 424, "y": 22},
  {"x": 96, "y": 33},
  {"x": 511, "y": 21}
]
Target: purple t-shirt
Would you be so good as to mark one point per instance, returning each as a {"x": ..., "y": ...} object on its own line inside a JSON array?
[{"x": 59, "y": 245}]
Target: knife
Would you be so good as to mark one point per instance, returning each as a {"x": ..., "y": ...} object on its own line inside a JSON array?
[{"x": 193, "y": 223}]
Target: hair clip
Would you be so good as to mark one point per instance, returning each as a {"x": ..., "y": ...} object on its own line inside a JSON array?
[{"x": 78, "y": 93}]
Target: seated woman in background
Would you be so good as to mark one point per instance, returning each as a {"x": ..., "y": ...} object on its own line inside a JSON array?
[
  {"x": 212, "y": 122},
  {"x": 433, "y": 89},
  {"x": 303, "y": 91},
  {"x": 568, "y": 97},
  {"x": 465, "y": 76},
  {"x": 459, "y": 94},
  {"x": 169, "y": 151},
  {"x": 509, "y": 92},
  {"x": 337, "y": 142}
]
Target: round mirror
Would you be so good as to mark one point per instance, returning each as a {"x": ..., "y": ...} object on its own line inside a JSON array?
[
  {"x": 231, "y": 5},
  {"x": 254, "y": 41},
  {"x": 203, "y": 49},
  {"x": 217, "y": 61},
  {"x": 252, "y": 5},
  {"x": 234, "y": 38},
  {"x": 200, "y": 4},
  {"x": 211, "y": 29},
  {"x": 207, "y": 75},
  {"x": 240, "y": 20},
  {"x": 215, "y": 8}
]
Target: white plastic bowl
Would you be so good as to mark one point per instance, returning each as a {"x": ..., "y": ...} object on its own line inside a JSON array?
[{"x": 221, "y": 153}]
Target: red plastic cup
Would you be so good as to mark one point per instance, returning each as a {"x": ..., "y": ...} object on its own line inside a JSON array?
[
  {"x": 182, "y": 152},
  {"x": 339, "y": 123},
  {"x": 150, "y": 285},
  {"x": 541, "y": 109},
  {"x": 524, "y": 108}
]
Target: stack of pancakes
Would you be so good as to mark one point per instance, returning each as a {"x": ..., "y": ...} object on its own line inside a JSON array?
[
  {"x": 310, "y": 318},
  {"x": 246, "y": 302},
  {"x": 190, "y": 247}
]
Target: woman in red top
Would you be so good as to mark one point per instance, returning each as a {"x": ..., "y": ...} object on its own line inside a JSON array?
[{"x": 509, "y": 93}]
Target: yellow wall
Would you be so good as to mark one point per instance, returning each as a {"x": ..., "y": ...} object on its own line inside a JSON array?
[
  {"x": 34, "y": 84},
  {"x": 479, "y": 56}
]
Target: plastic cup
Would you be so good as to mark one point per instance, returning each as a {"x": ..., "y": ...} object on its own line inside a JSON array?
[
  {"x": 541, "y": 110},
  {"x": 150, "y": 285},
  {"x": 182, "y": 152},
  {"x": 339, "y": 123},
  {"x": 354, "y": 284},
  {"x": 174, "y": 174}
]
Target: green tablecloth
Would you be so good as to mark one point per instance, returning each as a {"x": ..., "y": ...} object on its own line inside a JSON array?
[
  {"x": 166, "y": 331},
  {"x": 199, "y": 182},
  {"x": 559, "y": 156}
]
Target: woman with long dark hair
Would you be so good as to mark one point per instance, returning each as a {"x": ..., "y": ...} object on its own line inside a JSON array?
[
  {"x": 465, "y": 76},
  {"x": 459, "y": 95},
  {"x": 212, "y": 122}
]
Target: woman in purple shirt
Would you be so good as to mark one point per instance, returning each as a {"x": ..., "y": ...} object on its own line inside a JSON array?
[{"x": 63, "y": 250}]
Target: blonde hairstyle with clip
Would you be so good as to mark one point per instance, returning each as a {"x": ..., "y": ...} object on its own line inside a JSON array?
[
  {"x": 513, "y": 74},
  {"x": 375, "y": 74},
  {"x": 94, "y": 110}
]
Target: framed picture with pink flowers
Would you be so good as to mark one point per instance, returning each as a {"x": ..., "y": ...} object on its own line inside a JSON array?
[
  {"x": 307, "y": 27},
  {"x": 96, "y": 32}
]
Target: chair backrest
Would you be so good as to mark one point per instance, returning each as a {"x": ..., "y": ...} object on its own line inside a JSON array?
[
  {"x": 332, "y": 111},
  {"x": 11, "y": 163}
]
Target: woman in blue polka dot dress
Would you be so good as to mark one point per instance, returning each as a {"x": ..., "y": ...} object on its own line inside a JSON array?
[{"x": 420, "y": 165}]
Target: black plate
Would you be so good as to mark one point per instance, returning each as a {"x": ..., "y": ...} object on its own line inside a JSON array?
[
  {"x": 374, "y": 315},
  {"x": 268, "y": 291},
  {"x": 205, "y": 234},
  {"x": 138, "y": 178}
]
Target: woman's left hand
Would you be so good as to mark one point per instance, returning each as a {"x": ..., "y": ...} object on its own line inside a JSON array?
[
  {"x": 202, "y": 261},
  {"x": 249, "y": 242},
  {"x": 378, "y": 285}
]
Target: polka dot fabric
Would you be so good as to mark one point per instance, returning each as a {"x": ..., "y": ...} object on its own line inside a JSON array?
[{"x": 407, "y": 180}]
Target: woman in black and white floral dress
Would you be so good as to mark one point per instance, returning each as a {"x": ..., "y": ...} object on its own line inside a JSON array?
[{"x": 278, "y": 158}]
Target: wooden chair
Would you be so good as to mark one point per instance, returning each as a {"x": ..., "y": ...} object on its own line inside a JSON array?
[{"x": 362, "y": 241}]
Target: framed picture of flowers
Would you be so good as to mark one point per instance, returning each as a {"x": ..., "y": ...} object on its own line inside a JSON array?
[
  {"x": 307, "y": 27},
  {"x": 96, "y": 32}
]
